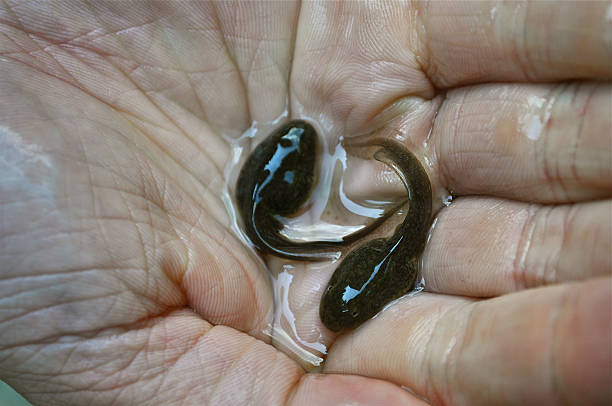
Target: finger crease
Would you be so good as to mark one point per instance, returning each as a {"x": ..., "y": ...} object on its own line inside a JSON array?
[{"x": 520, "y": 258}]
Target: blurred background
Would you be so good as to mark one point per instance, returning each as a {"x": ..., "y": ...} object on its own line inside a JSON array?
[{"x": 8, "y": 397}]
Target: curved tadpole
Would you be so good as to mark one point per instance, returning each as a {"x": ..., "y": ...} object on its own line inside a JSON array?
[
  {"x": 382, "y": 269},
  {"x": 275, "y": 182}
]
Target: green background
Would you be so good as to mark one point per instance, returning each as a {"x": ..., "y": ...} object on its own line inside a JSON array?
[{"x": 8, "y": 397}]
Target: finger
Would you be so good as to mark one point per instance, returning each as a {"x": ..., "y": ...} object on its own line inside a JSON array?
[
  {"x": 542, "y": 346},
  {"x": 514, "y": 246},
  {"x": 538, "y": 143},
  {"x": 487, "y": 41},
  {"x": 335, "y": 390}
]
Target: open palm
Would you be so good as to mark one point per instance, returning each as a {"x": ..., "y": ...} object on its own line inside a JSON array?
[{"x": 122, "y": 282}]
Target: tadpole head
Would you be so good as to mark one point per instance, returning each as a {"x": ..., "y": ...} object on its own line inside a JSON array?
[
  {"x": 290, "y": 168},
  {"x": 338, "y": 315},
  {"x": 349, "y": 299}
]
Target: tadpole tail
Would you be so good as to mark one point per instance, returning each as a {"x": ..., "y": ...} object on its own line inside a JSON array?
[
  {"x": 280, "y": 246},
  {"x": 416, "y": 223},
  {"x": 417, "y": 184}
]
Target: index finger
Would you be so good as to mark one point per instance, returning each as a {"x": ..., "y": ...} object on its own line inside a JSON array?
[{"x": 479, "y": 42}]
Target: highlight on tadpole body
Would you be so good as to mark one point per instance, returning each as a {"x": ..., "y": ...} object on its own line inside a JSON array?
[{"x": 277, "y": 179}]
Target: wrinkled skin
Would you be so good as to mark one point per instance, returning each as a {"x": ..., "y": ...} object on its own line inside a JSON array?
[{"x": 122, "y": 282}]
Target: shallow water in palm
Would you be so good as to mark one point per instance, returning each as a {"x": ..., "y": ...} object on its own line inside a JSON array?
[{"x": 292, "y": 208}]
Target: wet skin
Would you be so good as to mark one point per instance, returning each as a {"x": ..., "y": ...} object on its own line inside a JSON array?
[{"x": 277, "y": 180}]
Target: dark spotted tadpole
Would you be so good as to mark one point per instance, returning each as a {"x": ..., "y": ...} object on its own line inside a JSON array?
[
  {"x": 275, "y": 182},
  {"x": 382, "y": 269}
]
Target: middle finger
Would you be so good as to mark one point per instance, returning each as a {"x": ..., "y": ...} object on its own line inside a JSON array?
[{"x": 481, "y": 247}]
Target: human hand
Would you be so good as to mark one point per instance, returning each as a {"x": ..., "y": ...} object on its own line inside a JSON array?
[{"x": 122, "y": 281}]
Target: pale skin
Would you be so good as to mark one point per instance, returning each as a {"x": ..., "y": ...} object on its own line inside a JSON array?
[{"x": 121, "y": 281}]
